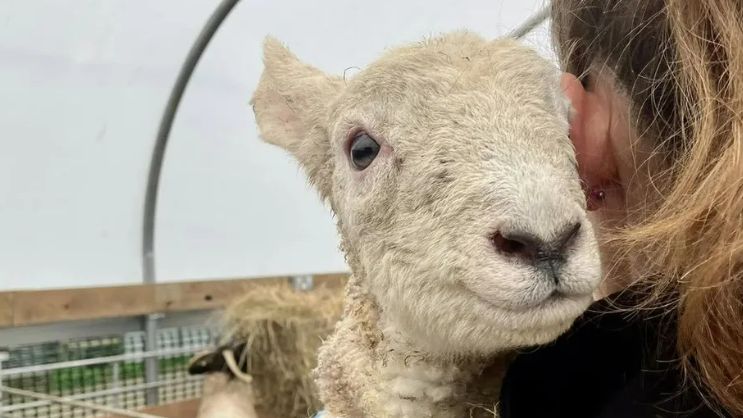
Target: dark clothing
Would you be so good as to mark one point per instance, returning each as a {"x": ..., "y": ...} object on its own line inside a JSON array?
[{"x": 611, "y": 364}]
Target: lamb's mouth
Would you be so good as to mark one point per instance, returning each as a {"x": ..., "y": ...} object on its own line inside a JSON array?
[
  {"x": 556, "y": 295},
  {"x": 553, "y": 299},
  {"x": 556, "y": 300}
]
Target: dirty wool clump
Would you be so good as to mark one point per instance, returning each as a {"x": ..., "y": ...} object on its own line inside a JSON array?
[{"x": 282, "y": 330}]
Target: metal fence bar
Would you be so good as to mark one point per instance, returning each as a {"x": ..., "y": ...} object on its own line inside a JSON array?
[
  {"x": 151, "y": 365},
  {"x": 155, "y": 169},
  {"x": 98, "y": 360},
  {"x": 76, "y": 403},
  {"x": 112, "y": 391},
  {"x": 3, "y": 358},
  {"x": 116, "y": 381},
  {"x": 166, "y": 123}
]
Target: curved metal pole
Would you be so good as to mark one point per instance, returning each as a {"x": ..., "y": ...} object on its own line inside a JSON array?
[
  {"x": 530, "y": 23},
  {"x": 161, "y": 142},
  {"x": 153, "y": 180},
  {"x": 166, "y": 123}
]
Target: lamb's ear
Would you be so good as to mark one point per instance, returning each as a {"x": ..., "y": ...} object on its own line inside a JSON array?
[{"x": 291, "y": 106}]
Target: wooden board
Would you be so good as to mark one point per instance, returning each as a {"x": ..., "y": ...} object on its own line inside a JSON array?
[
  {"x": 6, "y": 309},
  {"x": 203, "y": 295},
  {"x": 22, "y": 308},
  {"x": 43, "y": 306}
]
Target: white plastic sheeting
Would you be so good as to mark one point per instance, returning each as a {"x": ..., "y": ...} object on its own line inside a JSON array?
[{"x": 82, "y": 88}]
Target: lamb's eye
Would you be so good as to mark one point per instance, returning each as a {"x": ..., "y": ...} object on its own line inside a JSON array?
[{"x": 364, "y": 150}]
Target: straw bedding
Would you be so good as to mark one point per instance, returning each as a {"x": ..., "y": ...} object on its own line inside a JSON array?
[{"x": 283, "y": 329}]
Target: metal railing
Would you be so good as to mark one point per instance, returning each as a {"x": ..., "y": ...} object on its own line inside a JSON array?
[
  {"x": 99, "y": 386},
  {"x": 75, "y": 403}
]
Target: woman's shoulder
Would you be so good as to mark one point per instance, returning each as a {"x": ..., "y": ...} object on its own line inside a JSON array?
[{"x": 611, "y": 364}]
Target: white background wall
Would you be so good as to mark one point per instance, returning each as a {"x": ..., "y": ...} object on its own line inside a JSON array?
[{"x": 82, "y": 87}]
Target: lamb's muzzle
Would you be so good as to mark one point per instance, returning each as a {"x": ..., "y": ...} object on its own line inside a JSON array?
[
  {"x": 546, "y": 256},
  {"x": 423, "y": 157}
]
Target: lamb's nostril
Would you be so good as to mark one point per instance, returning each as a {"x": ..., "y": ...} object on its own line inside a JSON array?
[
  {"x": 520, "y": 245},
  {"x": 545, "y": 255}
]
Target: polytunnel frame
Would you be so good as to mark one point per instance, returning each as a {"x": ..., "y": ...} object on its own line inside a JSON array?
[
  {"x": 161, "y": 142},
  {"x": 171, "y": 108},
  {"x": 153, "y": 180}
]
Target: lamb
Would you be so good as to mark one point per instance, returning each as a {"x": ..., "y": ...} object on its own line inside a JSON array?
[
  {"x": 227, "y": 390},
  {"x": 448, "y": 166},
  {"x": 226, "y": 397}
]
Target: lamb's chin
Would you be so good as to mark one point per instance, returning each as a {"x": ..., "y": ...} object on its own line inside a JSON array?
[
  {"x": 536, "y": 326},
  {"x": 555, "y": 311}
]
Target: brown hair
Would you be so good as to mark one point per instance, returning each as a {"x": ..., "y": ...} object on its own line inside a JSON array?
[{"x": 680, "y": 63}]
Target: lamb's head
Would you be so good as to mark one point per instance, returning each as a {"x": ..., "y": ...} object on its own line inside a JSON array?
[{"x": 454, "y": 183}]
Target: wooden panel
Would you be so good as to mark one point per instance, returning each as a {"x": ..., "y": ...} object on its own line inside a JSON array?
[
  {"x": 36, "y": 307},
  {"x": 186, "y": 296},
  {"x": 6, "y": 309},
  {"x": 331, "y": 279},
  {"x": 189, "y": 296},
  {"x": 45, "y": 306}
]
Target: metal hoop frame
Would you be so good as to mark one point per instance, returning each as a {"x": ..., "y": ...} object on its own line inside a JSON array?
[{"x": 171, "y": 108}]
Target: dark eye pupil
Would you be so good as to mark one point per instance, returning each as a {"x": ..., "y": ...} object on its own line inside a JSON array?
[{"x": 364, "y": 150}]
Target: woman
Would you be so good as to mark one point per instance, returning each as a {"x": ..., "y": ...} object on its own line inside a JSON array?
[{"x": 657, "y": 89}]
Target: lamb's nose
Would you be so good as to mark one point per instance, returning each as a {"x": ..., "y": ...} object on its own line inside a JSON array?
[{"x": 542, "y": 254}]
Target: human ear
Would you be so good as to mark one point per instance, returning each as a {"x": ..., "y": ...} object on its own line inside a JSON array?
[{"x": 590, "y": 119}]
